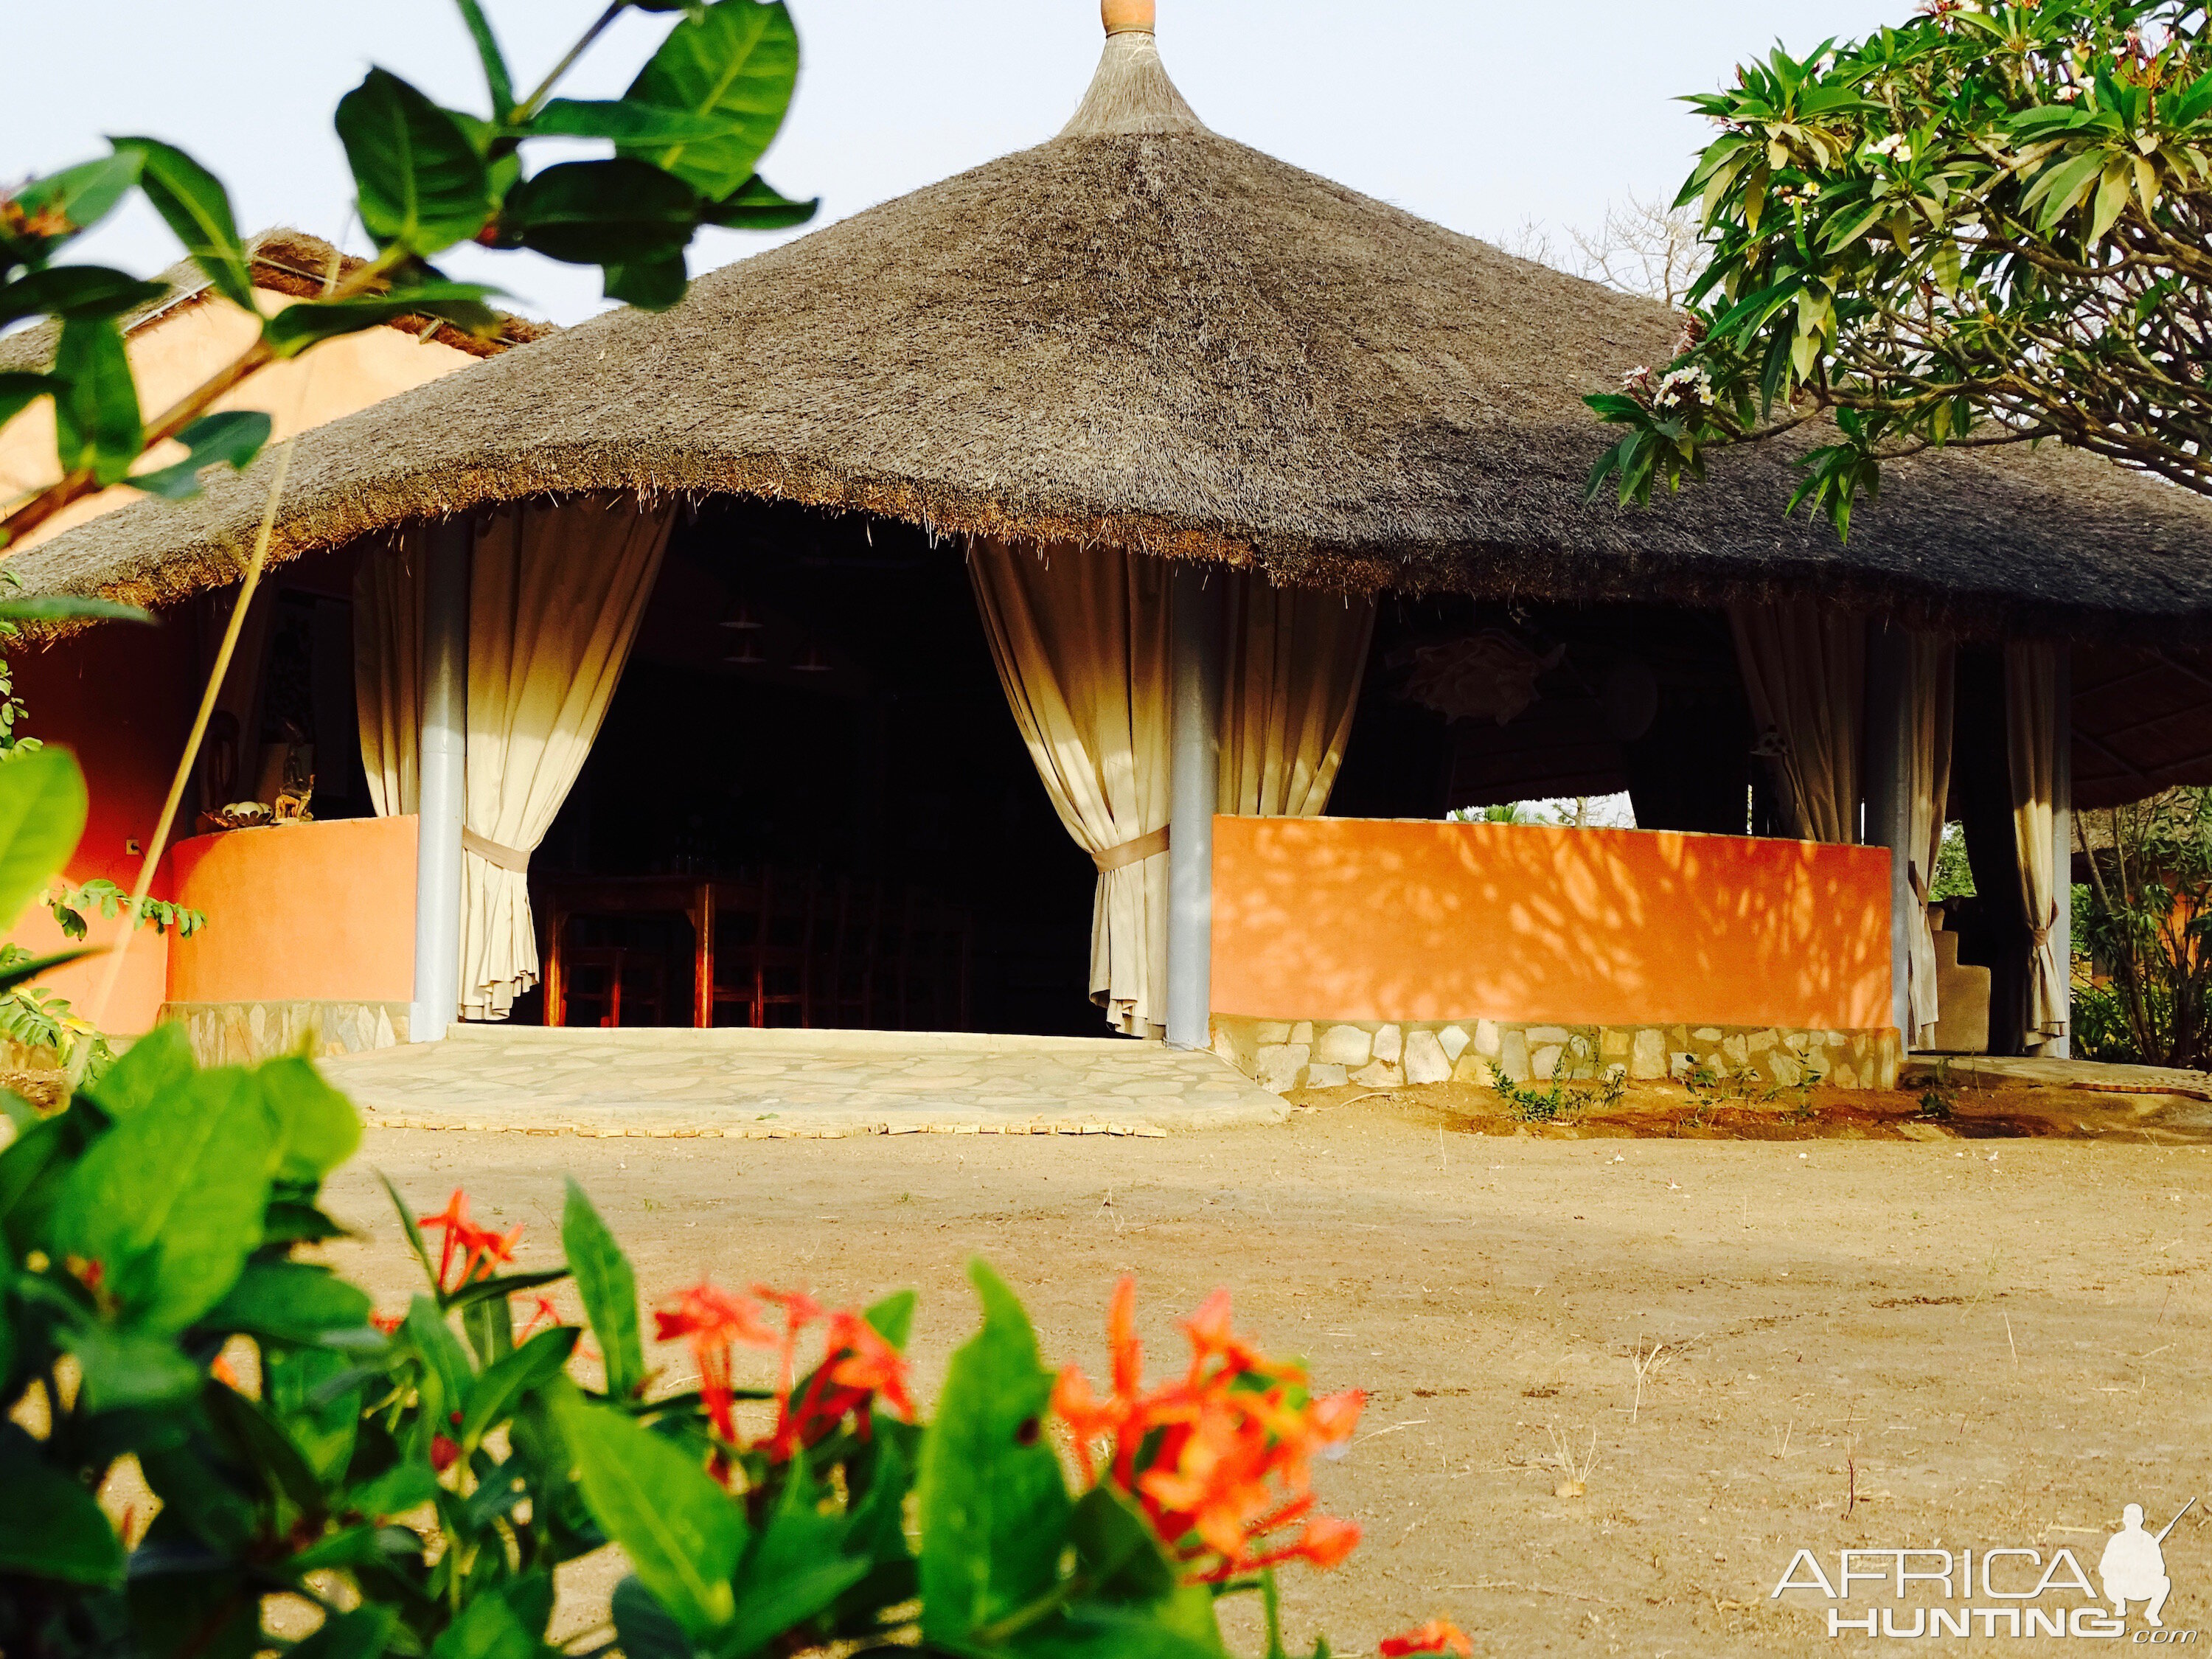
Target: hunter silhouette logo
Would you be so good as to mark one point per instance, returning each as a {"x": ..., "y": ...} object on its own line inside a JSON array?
[
  {"x": 1999, "y": 1590},
  {"x": 2133, "y": 1566}
]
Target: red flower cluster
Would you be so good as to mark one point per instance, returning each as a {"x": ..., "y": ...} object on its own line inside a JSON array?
[
  {"x": 479, "y": 1250},
  {"x": 857, "y": 1365},
  {"x": 1220, "y": 1461},
  {"x": 1438, "y": 1636}
]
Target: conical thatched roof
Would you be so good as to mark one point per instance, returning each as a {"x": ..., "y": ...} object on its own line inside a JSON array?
[{"x": 1144, "y": 333}]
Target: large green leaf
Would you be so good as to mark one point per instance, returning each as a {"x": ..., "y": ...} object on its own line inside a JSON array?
[
  {"x": 643, "y": 1627},
  {"x": 650, "y": 285},
  {"x": 492, "y": 1397},
  {"x": 758, "y": 206},
  {"x": 593, "y": 213},
  {"x": 321, "y": 1127},
  {"x": 993, "y": 1502},
  {"x": 82, "y": 195},
  {"x": 68, "y": 607},
  {"x": 231, "y": 438},
  {"x": 50, "y": 1526},
  {"x": 498, "y": 81},
  {"x": 682, "y": 1532},
  {"x": 169, "y": 1201},
  {"x": 124, "y": 1369},
  {"x": 630, "y": 122},
  {"x": 158, "y": 1062},
  {"x": 305, "y": 1387},
  {"x": 487, "y": 1629},
  {"x": 309, "y": 322},
  {"x": 364, "y": 1633},
  {"x": 289, "y": 1302},
  {"x": 74, "y": 291},
  {"x": 739, "y": 59},
  {"x": 420, "y": 182},
  {"x": 96, "y": 419},
  {"x": 795, "y": 1571},
  {"x": 193, "y": 203},
  {"x": 23, "y": 973},
  {"x": 609, "y": 1290},
  {"x": 42, "y": 808}
]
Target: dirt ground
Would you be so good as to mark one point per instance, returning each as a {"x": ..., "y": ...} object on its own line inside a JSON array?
[{"x": 1864, "y": 1341}]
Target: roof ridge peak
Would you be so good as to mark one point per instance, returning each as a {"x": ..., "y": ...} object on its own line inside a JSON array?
[{"x": 1131, "y": 92}]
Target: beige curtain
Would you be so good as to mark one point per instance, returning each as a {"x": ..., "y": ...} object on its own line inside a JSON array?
[
  {"x": 1804, "y": 669},
  {"x": 555, "y": 594},
  {"x": 2031, "y": 743},
  {"x": 387, "y": 670},
  {"x": 1930, "y": 679},
  {"x": 1080, "y": 638},
  {"x": 1290, "y": 685}
]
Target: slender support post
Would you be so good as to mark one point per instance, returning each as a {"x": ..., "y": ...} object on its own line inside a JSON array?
[
  {"x": 2061, "y": 836},
  {"x": 1194, "y": 684},
  {"x": 1889, "y": 804},
  {"x": 444, "y": 705}
]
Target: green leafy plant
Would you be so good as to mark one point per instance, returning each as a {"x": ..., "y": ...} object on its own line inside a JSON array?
[
  {"x": 1984, "y": 226},
  {"x": 1565, "y": 1100},
  {"x": 1939, "y": 1094},
  {"x": 684, "y": 140}
]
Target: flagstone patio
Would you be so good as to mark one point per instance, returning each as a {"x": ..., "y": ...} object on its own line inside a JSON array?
[{"x": 779, "y": 1085}]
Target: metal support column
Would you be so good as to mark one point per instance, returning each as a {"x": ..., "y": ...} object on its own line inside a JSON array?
[
  {"x": 1889, "y": 802},
  {"x": 444, "y": 705},
  {"x": 2061, "y": 836},
  {"x": 1194, "y": 684}
]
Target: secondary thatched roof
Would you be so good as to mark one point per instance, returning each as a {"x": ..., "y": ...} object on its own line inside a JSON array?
[
  {"x": 283, "y": 261},
  {"x": 1144, "y": 333}
]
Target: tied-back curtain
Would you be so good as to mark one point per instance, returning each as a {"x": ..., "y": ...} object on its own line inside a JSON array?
[
  {"x": 1295, "y": 658},
  {"x": 1804, "y": 671},
  {"x": 1080, "y": 638},
  {"x": 387, "y": 670},
  {"x": 1931, "y": 683},
  {"x": 555, "y": 594},
  {"x": 2031, "y": 752}
]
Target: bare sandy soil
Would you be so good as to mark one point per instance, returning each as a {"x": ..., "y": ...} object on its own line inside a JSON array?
[{"x": 1864, "y": 1343}]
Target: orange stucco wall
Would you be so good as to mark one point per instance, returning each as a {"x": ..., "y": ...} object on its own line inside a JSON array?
[
  {"x": 1356, "y": 919},
  {"x": 120, "y": 698},
  {"x": 309, "y": 912}
]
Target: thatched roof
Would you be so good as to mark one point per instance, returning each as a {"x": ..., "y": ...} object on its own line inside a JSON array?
[
  {"x": 281, "y": 261},
  {"x": 1144, "y": 333}
]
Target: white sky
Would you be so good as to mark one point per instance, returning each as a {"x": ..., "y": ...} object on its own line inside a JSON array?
[{"x": 1477, "y": 114}]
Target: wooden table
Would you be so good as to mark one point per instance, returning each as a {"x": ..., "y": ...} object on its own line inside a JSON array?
[{"x": 694, "y": 897}]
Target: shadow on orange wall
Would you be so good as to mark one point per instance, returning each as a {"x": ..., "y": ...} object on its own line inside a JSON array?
[
  {"x": 120, "y": 697},
  {"x": 1358, "y": 919},
  {"x": 306, "y": 913}
]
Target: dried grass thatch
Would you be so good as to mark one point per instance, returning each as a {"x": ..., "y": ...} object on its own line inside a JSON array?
[{"x": 1146, "y": 334}]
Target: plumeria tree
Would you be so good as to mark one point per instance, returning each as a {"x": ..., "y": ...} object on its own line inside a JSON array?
[{"x": 1988, "y": 225}]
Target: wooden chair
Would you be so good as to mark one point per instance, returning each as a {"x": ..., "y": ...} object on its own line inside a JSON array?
[{"x": 603, "y": 978}]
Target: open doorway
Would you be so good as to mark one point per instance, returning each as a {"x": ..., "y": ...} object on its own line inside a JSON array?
[{"x": 810, "y": 711}]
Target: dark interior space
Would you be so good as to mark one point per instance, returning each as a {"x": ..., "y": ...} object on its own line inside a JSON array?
[
  {"x": 1473, "y": 704},
  {"x": 812, "y": 702},
  {"x": 1992, "y": 924}
]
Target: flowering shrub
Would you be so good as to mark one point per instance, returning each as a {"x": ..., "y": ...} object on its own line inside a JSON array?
[{"x": 415, "y": 1479}]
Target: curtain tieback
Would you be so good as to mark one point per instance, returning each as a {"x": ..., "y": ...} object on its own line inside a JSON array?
[
  {"x": 507, "y": 858},
  {"x": 1132, "y": 852}
]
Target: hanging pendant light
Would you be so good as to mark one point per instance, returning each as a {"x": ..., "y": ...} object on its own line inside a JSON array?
[{"x": 741, "y": 618}]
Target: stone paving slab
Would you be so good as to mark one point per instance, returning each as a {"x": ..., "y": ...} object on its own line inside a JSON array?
[
  {"x": 2006, "y": 1071},
  {"x": 785, "y": 1085}
]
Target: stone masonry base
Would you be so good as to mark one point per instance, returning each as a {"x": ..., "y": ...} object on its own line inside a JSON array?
[
  {"x": 247, "y": 1033},
  {"x": 1282, "y": 1054}
]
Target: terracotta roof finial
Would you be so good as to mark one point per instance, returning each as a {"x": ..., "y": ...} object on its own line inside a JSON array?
[{"x": 1126, "y": 17}]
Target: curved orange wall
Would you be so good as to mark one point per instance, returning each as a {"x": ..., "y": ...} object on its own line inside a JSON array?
[
  {"x": 1361, "y": 919},
  {"x": 307, "y": 913}
]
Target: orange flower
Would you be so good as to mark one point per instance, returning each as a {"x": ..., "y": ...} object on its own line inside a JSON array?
[
  {"x": 1437, "y": 1636},
  {"x": 1220, "y": 1463},
  {"x": 542, "y": 1312},
  {"x": 478, "y": 1250},
  {"x": 857, "y": 1365},
  {"x": 710, "y": 1319},
  {"x": 387, "y": 1322}
]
